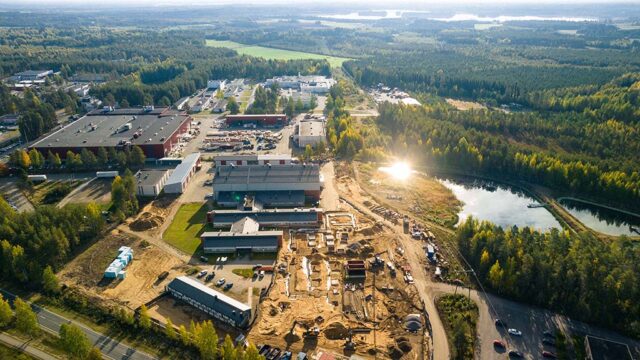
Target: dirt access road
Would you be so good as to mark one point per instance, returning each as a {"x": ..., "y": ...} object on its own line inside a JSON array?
[{"x": 413, "y": 251}]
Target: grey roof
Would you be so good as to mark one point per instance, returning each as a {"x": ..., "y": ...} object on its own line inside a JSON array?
[
  {"x": 311, "y": 128},
  {"x": 267, "y": 198},
  {"x": 183, "y": 169},
  {"x": 603, "y": 349},
  {"x": 149, "y": 177},
  {"x": 223, "y": 239},
  {"x": 32, "y": 72},
  {"x": 100, "y": 128},
  {"x": 248, "y": 174},
  {"x": 209, "y": 297},
  {"x": 270, "y": 217},
  {"x": 246, "y": 225}
]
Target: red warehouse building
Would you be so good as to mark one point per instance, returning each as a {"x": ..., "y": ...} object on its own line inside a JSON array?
[
  {"x": 155, "y": 130},
  {"x": 262, "y": 120}
]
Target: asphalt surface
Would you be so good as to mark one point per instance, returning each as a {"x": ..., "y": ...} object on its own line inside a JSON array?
[
  {"x": 111, "y": 348},
  {"x": 24, "y": 346}
]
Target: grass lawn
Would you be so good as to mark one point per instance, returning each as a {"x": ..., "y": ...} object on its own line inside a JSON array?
[
  {"x": 275, "y": 54},
  {"x": 246, "y": 272},
  {"x": 186, "y": 227},
  {"x": 11, "y": 353},
  {"x": 51, "y": 192}
]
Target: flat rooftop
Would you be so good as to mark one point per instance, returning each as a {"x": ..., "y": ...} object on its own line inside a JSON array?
[
  {"x": 204, "y": 294},
  {"x": 101, "y": 128},
  {"x": 256, "y": 174},
  {"x": 311, "y": 128},
  {"x": 279, "y": 216},
  {"x": 149, "y": 177},
  {"x": 603, "y": 349}
]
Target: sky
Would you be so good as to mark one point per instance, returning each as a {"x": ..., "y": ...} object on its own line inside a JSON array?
[{"x": 363, "y": 3}]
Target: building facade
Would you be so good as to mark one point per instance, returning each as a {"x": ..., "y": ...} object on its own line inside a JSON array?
[
  {"x": 182, "y": 174},
  {"x": 260, "y": 120},
  {"x": 151, "y": 182},
  {"x": 210, "y": 301}
]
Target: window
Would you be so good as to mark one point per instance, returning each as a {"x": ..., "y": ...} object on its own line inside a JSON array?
[
  {"x": 238, "y": 162},
  {"x": 223, "y": 162},
  {"x": 281, "y": 162}
]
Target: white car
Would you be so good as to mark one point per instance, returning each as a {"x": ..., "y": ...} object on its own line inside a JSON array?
[{"x": 515, "y": 332}]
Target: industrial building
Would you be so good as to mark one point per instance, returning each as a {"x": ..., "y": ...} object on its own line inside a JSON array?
[
  {"x": 180, "y": 177},
  {"x": 116, "y": 268},
  {"x": 151, "y": 182},
  {"x": 244, "y": 235},
  {"x": 272, "y": 218},
  {"x": 155, "y": 130},
  {"x": 210, "y": 301},
  {"x": 269, "y": 185},
  {"x": 355, "y": 269},
  {"x": 273, "y": 159},
  {"x": 260, "y": 120},
  {"x": 602, "y": 349},
  {"x": 310, "y": 132},
  {"x": 31, "y": 75},
  {"x": 216, "y": 84},
  {"x": 311, "y": 83}
]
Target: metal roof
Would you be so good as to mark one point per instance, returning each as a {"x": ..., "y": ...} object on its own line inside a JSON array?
[
  {"x": 283, "y": 217},
  {"x": 253, "y": 157},
  {"x": 149, "y": 177},
  {"x": 267, "y": 197},
  {"x": 233, "y": 240},
  {"x": 100, "y": 128},
  {"x": 183, "y": 169},
  {"x": 259, "y": 174},
  {"x": 208, "y": 296}
]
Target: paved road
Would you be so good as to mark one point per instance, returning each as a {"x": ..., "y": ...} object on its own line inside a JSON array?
[
  {"x": 24, "y": 346},
  {"x": 111, "y": 348}
]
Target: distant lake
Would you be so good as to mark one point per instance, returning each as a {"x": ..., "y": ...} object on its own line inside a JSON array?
[
  {"x": 506, "y": 18},
  {"x": 500, "y": 204},
  {"x": 606, "y": 221},
  {"x": 371, "y": 15}
]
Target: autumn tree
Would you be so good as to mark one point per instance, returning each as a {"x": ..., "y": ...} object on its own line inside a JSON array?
[
  {"x": 25, "y": 319},
  {"x": 74, "y": 341}
]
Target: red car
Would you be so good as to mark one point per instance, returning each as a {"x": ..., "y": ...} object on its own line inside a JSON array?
[
  {"x": 499, "y": 343},
  {"x": 549, "y": 355}
]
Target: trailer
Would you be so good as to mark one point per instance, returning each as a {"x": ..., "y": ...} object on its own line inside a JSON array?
[
  {"x": 37, "y": 178},
  {"x": 106, "y": 174}
]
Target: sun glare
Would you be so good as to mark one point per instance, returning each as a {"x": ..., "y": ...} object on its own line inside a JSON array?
[{"x": 399, "y": 170}]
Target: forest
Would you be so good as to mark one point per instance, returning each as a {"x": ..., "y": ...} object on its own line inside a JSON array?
[
  {"x": 571, "y": 151},
  {"x": 576, "y": 274}
]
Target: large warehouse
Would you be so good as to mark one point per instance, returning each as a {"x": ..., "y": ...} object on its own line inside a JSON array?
[
  {"x": 180, "y": 177},
  {"x": 262, "y": 159},
  {"x": 263, "y": 120},
  {"x": 155, "y": 130},
  {"x": 245, "y": 235},
  {"x": 267, "y": 183},
  {"x": 212, "y": 302}
]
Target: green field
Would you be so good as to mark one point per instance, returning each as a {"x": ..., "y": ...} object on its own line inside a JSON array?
[
  {"x": 186, "y": 227},
  {"x": 276, "y": 54}
]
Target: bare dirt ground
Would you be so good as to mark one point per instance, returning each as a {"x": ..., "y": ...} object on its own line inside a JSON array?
[
  {"x": 97, "y": 190},
  {"x": 140, "y": 285},
  {"x": 313, "y": 293},
  {"x": 465, "y": 105}
]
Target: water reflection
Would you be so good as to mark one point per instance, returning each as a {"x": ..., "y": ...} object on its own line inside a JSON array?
[
  {"x": 606, "y": 221},
  {"x": 499, "y": 204}
]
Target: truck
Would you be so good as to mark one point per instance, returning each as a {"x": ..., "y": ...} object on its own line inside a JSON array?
[
  {"x": 37, "y": 178},
  {"x": 106, "y": 174}
]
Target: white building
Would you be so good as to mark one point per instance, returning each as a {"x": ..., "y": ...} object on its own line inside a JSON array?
[
  {"x": 179, "y": 179},
  {"x": 310, "y": 84},
  {"x": 151, "y": 182},
  {"x": 310, "y": 132},
  {"x": 216, "y": 84},
  {"x": 238, "y": 160}
]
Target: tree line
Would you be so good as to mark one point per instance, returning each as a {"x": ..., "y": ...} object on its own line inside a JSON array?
[
  {"x": 342, "y": 135},
  {"x": 578, "y": 275},
  {"x": 520, "y": 146},
  {"x": 33, "y": 159}
]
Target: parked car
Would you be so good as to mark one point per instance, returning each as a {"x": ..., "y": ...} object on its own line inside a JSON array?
[
  {"x": 548, "y": 334},
  {"x": 516, "y": 354},
  {"x": 209, "y": 196},
  {"x": 499, "y": 322},
  {"x": 549, "y": 341},
  {"x": 515, "y": 332},
  {"x": 221, "y": 282},
  {"x": 549, "y": 355},
  {"x": 208, "y": 182},
  {"x": 499, "y": 343},
  {"x": 286, "y": 356},
  {"x": 202, "y": 273},
  {"x": 210, "y": 277},
  {"x": 204, "y": 259},
  {"x": 264, "y": 349},
  {"x": 228, "y": 286}
]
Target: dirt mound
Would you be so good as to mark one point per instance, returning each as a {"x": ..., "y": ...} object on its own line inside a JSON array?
[
  {"x": 394, "y": 352},
  {"x": 146, "y": 221},
  {"x": 404, "y": 344},
  {"x": 336, "y": 331}
]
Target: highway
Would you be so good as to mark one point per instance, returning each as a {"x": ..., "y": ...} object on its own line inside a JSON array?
[{"x": 111, "y": 348}]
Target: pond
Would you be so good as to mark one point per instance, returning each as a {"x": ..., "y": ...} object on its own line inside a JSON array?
[
  {"x": 500, "y": 204},
  {"x": 601, "y": 219}
]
